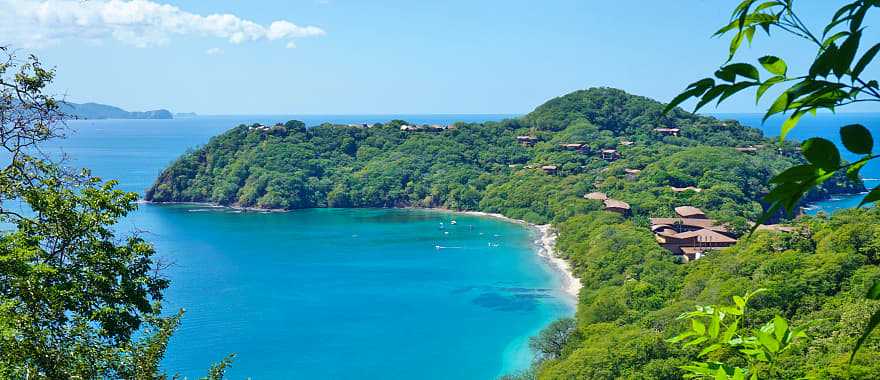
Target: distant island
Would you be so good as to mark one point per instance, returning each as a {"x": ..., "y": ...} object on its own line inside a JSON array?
[
  {"x": 103, "y": 111},
  {"x": 185, "y": 114}
]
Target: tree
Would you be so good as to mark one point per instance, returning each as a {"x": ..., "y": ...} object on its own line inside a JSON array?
[
  {"x": 552, "y": 340},
  {"x": 74, "y": 301},
  {"x": 835, "y": 79}
]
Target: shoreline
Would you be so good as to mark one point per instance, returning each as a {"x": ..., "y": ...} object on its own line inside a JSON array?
[{"x": 545, "y": 244}]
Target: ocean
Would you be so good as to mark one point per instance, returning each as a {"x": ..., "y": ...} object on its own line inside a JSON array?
[
  {"x": 345, "y": 294},
  {"x": 327, "y": 294},
  {"x": 826, "y": 125}
]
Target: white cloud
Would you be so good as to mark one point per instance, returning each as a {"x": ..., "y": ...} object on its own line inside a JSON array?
[
  {"x": 140, "y": 23},
  {"x": 214, "y": 51}
]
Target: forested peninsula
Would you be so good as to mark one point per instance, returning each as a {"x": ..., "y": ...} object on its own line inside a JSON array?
[{"x": 543, "y": 168}]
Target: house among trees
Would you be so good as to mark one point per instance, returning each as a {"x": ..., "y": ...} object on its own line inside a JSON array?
[
  {"x": 690, "y": 212},
  {"x": 610, "y": 155},
  {"x": 691, "y": 234},
  {"x": 575, "y": 147},
  {"x": 631, "y": 174},
  {"x": 423, "y": 128},
  {"x": 526, "y": 140},
  {"x": 776, "y": 228},
  {"x": 683, "y": 189},
  {"x": 748, "y": 149},
  {"x": 691, "y": 245},
  {"x": 626, "y": 143},
  {"x": 617, "y": 206},
  {"x": 549, "y": 169},
  {"x": 596, "y": 196},
  {"x": 668, "y": 131}
]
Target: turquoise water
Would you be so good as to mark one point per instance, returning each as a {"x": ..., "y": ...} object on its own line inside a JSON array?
[
  {"x": 330, "y": 294},
  {"x": 825, "y": 125},
  {"x": 342, "y": 293}
]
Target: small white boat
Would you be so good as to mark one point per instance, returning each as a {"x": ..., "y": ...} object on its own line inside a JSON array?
[{"x": 453, "y": 222}]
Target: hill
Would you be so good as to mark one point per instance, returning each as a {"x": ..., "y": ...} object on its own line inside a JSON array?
[
  {"x": 483, "y": 167},
  {"x": 103, "y": 111},
  {"x": 539, "y": 168}
]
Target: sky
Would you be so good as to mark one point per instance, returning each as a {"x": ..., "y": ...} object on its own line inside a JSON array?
[{"x": 384, "y": 57}]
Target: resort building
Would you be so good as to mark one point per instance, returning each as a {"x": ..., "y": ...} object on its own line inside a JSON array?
[
  {"x": 617, "y": 206},
  {"x": 690, "y": 212},
  {"x": 574, "y": 147},
  {"x": 609, "y": 204},
  {"x": 668, "y": 131},
  {"x": 526, "y": 140},
  {"x": 748, "y": 149},
  {"x": 549, "y": 169},
  {"x": 596, "y": 196},
  {"x": 631, "y": 174},
  {"x": 626, "y": 143},
  {"x": 691, "y": 234},
  {"x": 691, "y": 245},
  {"x": 610, "y": 155},
  {"x": 408, "y": 128},
  {"x": 683, "y": 189}
]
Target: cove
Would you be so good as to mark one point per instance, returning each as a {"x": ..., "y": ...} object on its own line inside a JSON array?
[{"x": 342, "y": 293}]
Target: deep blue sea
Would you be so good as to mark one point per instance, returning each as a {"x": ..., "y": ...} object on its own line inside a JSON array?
[
  {"x": 344, "y": 294},
  {"x": 327, "y": 294},
  {"x": 825, "y": 125}
]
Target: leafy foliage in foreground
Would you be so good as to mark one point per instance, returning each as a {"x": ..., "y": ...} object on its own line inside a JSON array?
[
  {"x": 481, "y": 167},
  {"x": 75, "y": 302},
  {"x": 634, "y": 294}
]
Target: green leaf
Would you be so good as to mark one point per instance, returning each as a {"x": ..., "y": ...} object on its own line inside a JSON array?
[
  {"x": 780, "y": 327},
  {"x": 720, "y": 374},
  {"x": 767, "y": 341},
  {"x": 774, "y": 65},
  {"x": 821, "y": 67},
  {"x": 852, "y": 172},
  {"x": 743, "y": 70},
  {"x": 713, "y": 93},
  {"x": 865, "y": 60},
  {"x": 730, "y": 331},
  {"x": 872, "y": 324},
  {"x": 822, "y": 153},
  {"x": 714, "y": 326},
  {"x": 874, "y": 292},
  {"x": 739, "y": 301},
  {"x": 797, "y": 173},
  {"x": 693, "y": 90},
  {"x": 857, "y": 139},
  {"x": 790, "y": 123},
  {"x": 766, "y": 86},
  {"x": 779, "y": 105},
  {"x": 698, "y": 327},
  {"x": 709, "y": 350},
  {"x": 846, "y": 54},
  {"x": 872, "y": 196}
]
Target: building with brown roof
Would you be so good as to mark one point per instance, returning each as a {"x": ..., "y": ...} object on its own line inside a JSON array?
[
  {"x": 609, "y": 154},
  {"x": 549, "y": 169},
  {"x": 526, "y": 140},
  {"x": 691, "y": 245},
  {"x": 668, "y": 131},
  {"x": 596, "y": 196},
  {"x": 690, "y": 212},
  {"x": 617, "y": 206}
]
